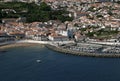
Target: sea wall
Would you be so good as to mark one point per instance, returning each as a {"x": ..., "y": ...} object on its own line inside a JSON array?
[{"x": 76, "y": 53}]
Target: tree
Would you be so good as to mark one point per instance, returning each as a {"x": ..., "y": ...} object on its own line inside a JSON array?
[{"x": 44, "y": 7}]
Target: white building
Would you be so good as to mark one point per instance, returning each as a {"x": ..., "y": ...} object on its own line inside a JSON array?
[
  {"x": 63, "y": 32},
  {"x": 40, "y": 38},
  {"x": 58, "y": 38}
]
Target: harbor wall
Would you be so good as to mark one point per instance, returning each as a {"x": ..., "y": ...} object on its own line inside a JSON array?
[{"x": 76, "y": 53}]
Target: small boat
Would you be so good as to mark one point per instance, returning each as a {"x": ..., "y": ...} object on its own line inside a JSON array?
[{"x": 38, "y": 61}]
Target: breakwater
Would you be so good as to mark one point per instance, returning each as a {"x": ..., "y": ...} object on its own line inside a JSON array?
[{"x": 76, "y": 53}]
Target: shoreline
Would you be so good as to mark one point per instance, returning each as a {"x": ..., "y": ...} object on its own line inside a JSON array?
[
  {"x": 25, "y": 43},
  {"x": 13, "y": 45},
  {"x": 49, "y": 45}
]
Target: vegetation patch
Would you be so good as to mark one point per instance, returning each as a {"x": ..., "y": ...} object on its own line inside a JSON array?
[{"x": 33, "y": 12}]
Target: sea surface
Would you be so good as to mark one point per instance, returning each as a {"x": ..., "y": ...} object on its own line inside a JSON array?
[{"x": 20, "y": 64}]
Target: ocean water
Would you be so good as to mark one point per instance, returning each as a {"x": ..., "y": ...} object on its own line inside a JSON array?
[{"x": 19, "y": 64}]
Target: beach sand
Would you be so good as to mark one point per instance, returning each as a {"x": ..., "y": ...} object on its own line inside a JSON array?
[{"x": 17, "y": 45}]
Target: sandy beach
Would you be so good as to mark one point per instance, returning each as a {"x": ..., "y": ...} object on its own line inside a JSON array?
[{"x": 17, "y": 45}]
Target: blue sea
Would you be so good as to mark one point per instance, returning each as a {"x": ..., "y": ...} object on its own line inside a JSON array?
[{"x": 20, "y": 64}]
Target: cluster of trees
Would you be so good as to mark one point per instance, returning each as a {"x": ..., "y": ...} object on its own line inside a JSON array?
[
  {"x": 33, "y": 12},
  {"x": 102, "y": 33}
]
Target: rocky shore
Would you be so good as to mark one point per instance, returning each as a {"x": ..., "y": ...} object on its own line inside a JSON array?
[{"x": 66, "y": 51}]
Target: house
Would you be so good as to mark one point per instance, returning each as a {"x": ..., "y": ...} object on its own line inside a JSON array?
[
  {"x": 40, "y": 38},
  {"x": 16, "y": 34},
  {"x": 55, "y": 37},
  {"x": 78, "y": 14},
  {"x": 63, "y": 32},
  {"x": 4, "y": 37},
  {"x": 79, "y": 37},
  {"x": 2, "y": 33},
  {"x": 29, "y": 34}
]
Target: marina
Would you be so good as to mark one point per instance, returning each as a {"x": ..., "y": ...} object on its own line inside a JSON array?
[
  {"x": 93, "y": 48},
  {"x": 89, "y": 50}
]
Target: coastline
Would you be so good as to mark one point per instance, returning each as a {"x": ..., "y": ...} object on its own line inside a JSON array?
[
  {"x": 50, "y": 45},
  {"x": 24, "y": 43},
  {"x": 16, "y": 45}
]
